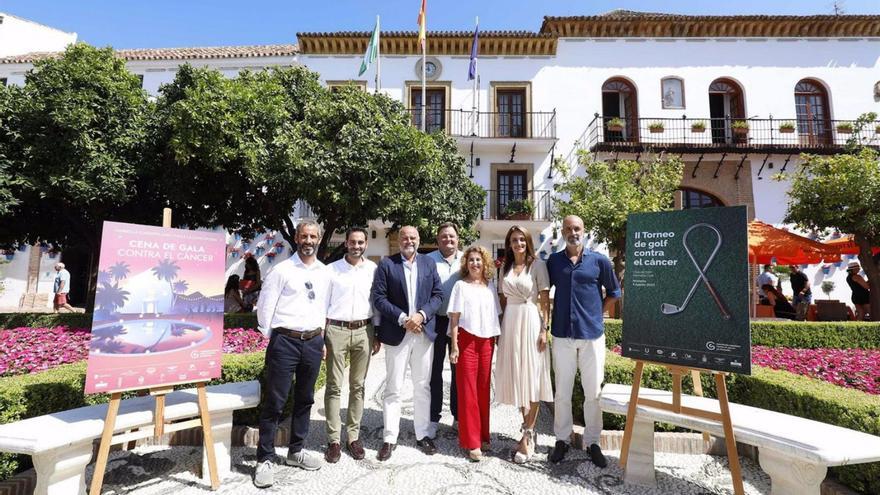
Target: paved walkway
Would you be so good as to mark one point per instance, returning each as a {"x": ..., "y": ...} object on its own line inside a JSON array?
[{"x": 160, "y": 470}]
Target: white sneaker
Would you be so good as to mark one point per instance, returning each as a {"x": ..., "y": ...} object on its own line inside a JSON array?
[{"x": 264, "y": 477}]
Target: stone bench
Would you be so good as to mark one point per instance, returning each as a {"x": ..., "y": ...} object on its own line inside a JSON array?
[
  {"x": 795, "y": 452},
  {"x": 61, "y": 444}
]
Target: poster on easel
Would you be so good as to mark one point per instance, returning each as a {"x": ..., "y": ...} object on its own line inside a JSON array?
[
  {"x": 686, "y": 289},
  {"x": 158, "y": 318}
]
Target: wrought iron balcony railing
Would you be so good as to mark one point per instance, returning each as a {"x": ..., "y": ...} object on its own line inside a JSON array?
[
  {"x": 688, "y": 135},
  {"x": 512, "y": 204},
  {"x": 467, "y": 123}
]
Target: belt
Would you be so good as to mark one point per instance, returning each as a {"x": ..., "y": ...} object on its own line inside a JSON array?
[
  {"x": 297, "y": 334},
  {"x": 351, "y": 325}
]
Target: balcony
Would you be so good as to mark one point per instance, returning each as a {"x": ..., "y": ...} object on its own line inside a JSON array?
[
  {"x": 689, "y": 135},
  {"x": 513, "y": 205},
  {"x": 490, "y": 125}
]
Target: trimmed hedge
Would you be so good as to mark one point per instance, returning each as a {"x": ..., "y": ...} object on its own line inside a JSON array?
[
  {"x": 61, "y": 388},
  {"x": 775, "y": 391},
  {"x": 795, "y": 334}
]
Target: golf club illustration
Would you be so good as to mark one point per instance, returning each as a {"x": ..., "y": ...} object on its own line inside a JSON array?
[{"x": 671, "y": 309}]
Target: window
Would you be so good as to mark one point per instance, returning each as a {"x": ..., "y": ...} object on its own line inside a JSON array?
[
  {"x": 512, "y": 188},
  {"x": 435, "y": 111},
  {"x": 691, "y": 198},
  {"x": 335, "y": 86},
  {"x": 672, "y": 92},
  {"x": 813, "y": 121},
  {"x": 619, "y": 101},
  {"x": 726, "y": 104},
  {"x": 511, "y": 108}
]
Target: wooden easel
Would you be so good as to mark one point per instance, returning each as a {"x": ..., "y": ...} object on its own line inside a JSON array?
[
  {"x": 159, "y": 426},
  {"x": 676, "y": 407}
]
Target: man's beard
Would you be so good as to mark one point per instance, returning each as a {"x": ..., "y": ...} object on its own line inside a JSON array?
[{"x": 307, "y": 249}]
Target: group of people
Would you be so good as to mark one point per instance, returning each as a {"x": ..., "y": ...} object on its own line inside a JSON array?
[
  {"x": 770, "y": 292},
  {"x": 419, "y": 307},
  {"x": 241, "y": 293}
]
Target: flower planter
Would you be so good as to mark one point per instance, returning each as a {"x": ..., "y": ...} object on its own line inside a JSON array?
[
  {"x": 739, "y": 131},
  {"x": 698, "y": 130},
  {"x": 844, "y": 130},
  {"x": 786, "y": 130},
  {"x": 615, "y": 128},
  {"x": 655, "y": 130}
]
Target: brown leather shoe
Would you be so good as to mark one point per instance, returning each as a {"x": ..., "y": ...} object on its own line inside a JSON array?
[
  {"x": 334, "y": 452},
  {"x": 385, "y": 452},
  {"x": 356, "y": 449}
]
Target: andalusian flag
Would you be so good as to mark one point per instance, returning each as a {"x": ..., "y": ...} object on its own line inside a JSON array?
[
  {"x": 372, "y": 50},
  {"x": 422, "y": 24}
]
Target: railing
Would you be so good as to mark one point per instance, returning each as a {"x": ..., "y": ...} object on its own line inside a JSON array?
[
  {"x": 509, "y": 204},
  {"x": 724, "y": 134},
  {"x": 467, "y": 123}
]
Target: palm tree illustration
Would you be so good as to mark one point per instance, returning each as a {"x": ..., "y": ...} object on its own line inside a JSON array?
[
  {"x": 104, "y": 277},
  {"x": 110, "y": 297},
  {"x": 119, "y": 271},
  {"x": 180, "y": 287},
  {"x": 167, "y": 270}
]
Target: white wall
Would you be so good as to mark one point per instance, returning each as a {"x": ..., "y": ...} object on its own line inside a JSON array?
[{"x": 19, "y": 36}]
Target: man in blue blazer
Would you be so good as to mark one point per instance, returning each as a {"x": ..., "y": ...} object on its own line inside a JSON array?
[{"x": 407, "y": 293}]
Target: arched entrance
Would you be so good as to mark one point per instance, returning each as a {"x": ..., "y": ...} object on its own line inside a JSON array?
[
  {"x": 726, "y": 105},
  {"x": 620, "y": 100}
]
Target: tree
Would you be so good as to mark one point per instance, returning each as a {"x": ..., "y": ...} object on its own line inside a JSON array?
[
  {"x": 73, "y": 139},
  {"x": 609, "y": 191},
  {"x": 252, "y": 147},
  {"x": 842, "y": 192}
]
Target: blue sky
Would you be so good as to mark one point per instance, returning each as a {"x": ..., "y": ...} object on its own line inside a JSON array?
[{"x": 170, "y": 23}]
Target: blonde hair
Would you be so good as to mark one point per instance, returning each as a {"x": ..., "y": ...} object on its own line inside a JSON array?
[{"x": 488, "y": 264}]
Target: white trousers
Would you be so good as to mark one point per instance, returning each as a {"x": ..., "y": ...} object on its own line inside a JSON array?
[
  {"x": 588, "y": 356},
  {"x": 417, "y": 351}
]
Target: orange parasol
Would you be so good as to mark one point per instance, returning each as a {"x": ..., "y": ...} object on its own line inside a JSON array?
[
  {"x": 767, "y": 243},
  {"x": 847, "y": 245}
]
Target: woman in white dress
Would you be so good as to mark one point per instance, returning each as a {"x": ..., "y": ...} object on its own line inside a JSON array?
[{"x": 522, "y": 376}]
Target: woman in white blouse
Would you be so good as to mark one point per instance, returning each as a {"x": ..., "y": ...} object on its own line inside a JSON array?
[{"x": 474, "y": 325}]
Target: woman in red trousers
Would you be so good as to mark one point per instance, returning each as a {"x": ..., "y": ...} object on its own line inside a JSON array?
[{"x": 474, "y": 325}]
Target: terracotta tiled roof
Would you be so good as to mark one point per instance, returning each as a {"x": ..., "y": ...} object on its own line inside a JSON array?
[
  {"x": 191, "y": 53},
  {"x": 627, "y": 23},
  {"x": 439, "y": 43}
]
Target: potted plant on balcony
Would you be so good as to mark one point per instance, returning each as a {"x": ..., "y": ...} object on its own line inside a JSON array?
[
  {"x": 519, "y": 209},
  {"x": 740, "y": 127},
  {"x": 655, "y": 127},
  {"x": 844, "y": 127},
  {"x": 786, "y": 127},
  {"x": 615, "y": 125},
  {"x": 698, "y": 126}
]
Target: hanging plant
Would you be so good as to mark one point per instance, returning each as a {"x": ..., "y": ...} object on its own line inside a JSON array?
[
  {"x": 22, "y": 247},
  {"x": 245, "y": 244},
  {"x": 10, "y": 254},
  {"x": 826, "y": 269},
  {"x": 270, "y": 236},
  {"x": 234, "y": 253},
  {"x": 270, "y": 256},
  {"x": 260, "y": 250},
  {"x": 53, "y": 253}
]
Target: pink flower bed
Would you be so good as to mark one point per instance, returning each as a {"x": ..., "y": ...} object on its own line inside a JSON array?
[
  {"x": 29, "y": 350},
  {"x": 850, "y": 368}
]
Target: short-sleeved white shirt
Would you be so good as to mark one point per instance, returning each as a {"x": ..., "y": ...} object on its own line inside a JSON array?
[{"x": 478, "y": 307}]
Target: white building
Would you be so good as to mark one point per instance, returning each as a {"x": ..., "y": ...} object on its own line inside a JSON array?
[
  {"x": 19, "y": 36},
  {"x": 548, "y": 93}
]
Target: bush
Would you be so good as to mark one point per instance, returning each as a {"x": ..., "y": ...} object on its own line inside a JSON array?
[
  {"x": 61, "y": 388},
  {"x": 796, "y": 334},
  {"x": 772, "y": 390}
]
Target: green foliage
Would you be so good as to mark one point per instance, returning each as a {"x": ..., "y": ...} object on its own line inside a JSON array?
[
  {"x": 845, "y": 127},
  {"x": 655, "y": 126},
  {"x": 795, "y": 334},
  {"x": 740, "y": 125},
  {"x": 609, "y": 191},
  {"x": 61, "y": 388},
  {"x": 787, "y": 126},
  {"x": 775, "y": 391},
  {"x": 698, "y": 126},
  {"x": 827, "y": 287},
  {"x": 519, "y": 206},
  {"x": 73, "y": 137},
  {"x": 615, "y": 122},
  {"x": 842, "y": 192}
]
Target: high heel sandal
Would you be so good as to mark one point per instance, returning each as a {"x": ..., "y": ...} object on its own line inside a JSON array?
[{"x": 523, "y": 457}]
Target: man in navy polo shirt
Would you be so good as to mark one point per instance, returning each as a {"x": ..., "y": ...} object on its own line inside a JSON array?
[{"x": 579, "y": 276}]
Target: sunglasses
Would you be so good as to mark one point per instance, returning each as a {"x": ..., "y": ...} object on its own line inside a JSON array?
[{"x": 309, "y": 286}]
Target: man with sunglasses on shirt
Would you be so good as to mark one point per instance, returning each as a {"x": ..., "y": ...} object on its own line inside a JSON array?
[{"x": 292, "y": 311}]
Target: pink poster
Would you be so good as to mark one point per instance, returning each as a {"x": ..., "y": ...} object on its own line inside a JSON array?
[{"x": 158, "y": 316}]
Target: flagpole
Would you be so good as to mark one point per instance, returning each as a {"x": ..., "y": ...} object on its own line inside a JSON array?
[
  {"x": 378, "y": 56},
  {"x": 474, "y": 111},
  {"x": 424, "y": 91}
]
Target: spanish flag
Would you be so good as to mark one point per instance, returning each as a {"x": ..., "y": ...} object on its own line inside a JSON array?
[{"x": 422, "y": 24}]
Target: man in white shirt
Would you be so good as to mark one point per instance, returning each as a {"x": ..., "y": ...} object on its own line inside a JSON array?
[
  {"x": 62, "y": 288},
  {"x": 406, "y": 293},
  {"x": 292, "y": 311},
  {"x": 349, "y": 334},
  {"x": 767, "y": 277},
  {"x": 448, "y": 261}
]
